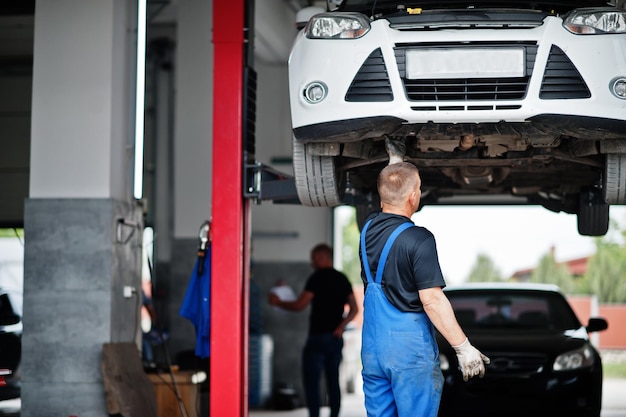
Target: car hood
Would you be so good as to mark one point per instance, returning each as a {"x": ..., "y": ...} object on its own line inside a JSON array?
[
  {"x": 551, "y": 344},
  {"x": 385, "y": 8}
]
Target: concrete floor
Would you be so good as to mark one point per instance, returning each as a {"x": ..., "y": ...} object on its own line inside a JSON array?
[
  {"x": 613, "y": 404},
  {"x": 614, "y": 398},
  {"x": 351, "y": 406}
]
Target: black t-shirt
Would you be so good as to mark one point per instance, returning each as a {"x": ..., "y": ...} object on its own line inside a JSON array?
[
  {"x": 412, "y": 264},
  {"x": 330, "y": 289}
]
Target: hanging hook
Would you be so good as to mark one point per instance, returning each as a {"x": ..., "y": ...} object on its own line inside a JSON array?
[{"x": 204, "y": 238}]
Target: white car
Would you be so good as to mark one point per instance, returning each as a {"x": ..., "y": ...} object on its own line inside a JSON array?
[{"x": 495, "y": 101}]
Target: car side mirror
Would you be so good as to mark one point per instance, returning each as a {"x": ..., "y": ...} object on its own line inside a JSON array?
[
  {"x": 9, "y": 319},
  {"x": 597, "y": 324}
]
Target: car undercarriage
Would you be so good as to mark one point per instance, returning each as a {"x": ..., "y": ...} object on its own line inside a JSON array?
[{"x": 491, "y": 165}]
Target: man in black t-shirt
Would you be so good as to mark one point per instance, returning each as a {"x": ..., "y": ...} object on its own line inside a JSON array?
[
  {"x": 404, "y": 299},
  {"x": 328, "y": 291}
]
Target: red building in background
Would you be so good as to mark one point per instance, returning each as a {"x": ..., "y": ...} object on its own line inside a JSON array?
[{"x": 586, "y": 306}]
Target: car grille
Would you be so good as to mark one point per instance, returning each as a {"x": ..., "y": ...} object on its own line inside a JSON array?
[
  {"x": 466, "y": 89},
  {"x": 515, "y": 363},
  {"x": 561, "y": 79},
  {"x": 371, "y": 83}
]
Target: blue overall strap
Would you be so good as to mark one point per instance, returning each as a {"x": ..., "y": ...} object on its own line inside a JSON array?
[
  {"x": 384, "y": 254},
  {"x": 366, "y": 265}
]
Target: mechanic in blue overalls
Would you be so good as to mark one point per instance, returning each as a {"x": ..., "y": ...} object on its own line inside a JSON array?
[{"x": 403, "y": 300}]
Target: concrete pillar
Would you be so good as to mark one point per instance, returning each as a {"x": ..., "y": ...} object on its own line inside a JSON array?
[{"x": 82, "y": 227}]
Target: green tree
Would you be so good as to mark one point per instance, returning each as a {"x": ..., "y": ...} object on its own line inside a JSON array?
[
  {"x": 550, "y": 272},
  {"x": 19, "y": 233},
  {"x": 606, "y": 272},
  {"x": 484, "y": 270},
  {"x": 351, "y": 264}
]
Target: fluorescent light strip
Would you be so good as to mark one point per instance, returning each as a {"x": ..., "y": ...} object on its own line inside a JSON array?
[{"x": 140, "y": 97}]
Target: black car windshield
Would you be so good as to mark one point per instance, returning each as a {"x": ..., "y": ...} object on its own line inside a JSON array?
[
  {"x": 541, "y": 311},
  {"x": 376, "y": 7}
]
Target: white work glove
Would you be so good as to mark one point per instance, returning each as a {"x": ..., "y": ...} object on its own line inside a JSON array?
[{"x": 471, "y": 361}]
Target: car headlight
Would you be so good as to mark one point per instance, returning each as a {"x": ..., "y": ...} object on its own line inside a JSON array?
[
  {"x": 337, "y": 26},
  {"x": 574, "y": 359},
  {"x": 596, "y": 21}
]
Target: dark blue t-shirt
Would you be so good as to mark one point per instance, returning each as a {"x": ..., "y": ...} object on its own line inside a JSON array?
[
  {"x": 330, "y": 289},
  {"x": 412, "y": 265}
]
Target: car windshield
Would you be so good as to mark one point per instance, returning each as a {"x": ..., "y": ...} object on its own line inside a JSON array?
[
  {"x": 514, "y": 310},
  {"x": 374, "y": 7}
]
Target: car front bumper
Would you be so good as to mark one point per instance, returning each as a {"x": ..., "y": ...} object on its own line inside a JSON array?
[
  {"x": 547, "y": 394},
  {"x": 597, "y": 59}
]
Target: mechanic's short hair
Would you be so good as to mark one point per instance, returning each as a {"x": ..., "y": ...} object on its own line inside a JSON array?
[{"x": 396, "y": 182}]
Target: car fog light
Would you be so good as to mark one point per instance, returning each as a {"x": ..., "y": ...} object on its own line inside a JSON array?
[
  {"x": 315, "y": 92},
  {"x": 618, "y": 87}
]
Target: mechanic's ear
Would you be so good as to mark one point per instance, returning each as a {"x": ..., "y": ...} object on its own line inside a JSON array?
[{"x": 414, "y": 199}]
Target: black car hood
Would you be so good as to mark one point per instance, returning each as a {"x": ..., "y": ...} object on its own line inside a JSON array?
[
  {"x": 552, "y": 344},
  {"x": 517, "y": 354}
]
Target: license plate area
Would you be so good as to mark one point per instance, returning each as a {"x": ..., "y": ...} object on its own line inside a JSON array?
[{"x": 451, "y": 63}]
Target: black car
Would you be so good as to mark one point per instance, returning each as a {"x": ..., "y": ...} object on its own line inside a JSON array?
[
  {"x": 10, "y": 348},
  {"x": 542, "y": 361}
]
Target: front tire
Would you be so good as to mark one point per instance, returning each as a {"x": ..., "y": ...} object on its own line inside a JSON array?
[
  {"x": 593, "y": 215},
  {"x": 615, "y": 179},
  {"x": 319, "y": 182}
]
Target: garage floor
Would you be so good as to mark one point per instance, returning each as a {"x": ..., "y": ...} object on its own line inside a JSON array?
[
  {"x": 614, "y": 404},
  {"x": 351, "y": 406}
]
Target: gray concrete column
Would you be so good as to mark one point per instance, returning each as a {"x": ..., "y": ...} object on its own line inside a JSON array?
[{"x": 82, "y": 227}]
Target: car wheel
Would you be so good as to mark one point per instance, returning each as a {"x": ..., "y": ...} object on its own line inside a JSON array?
[
  {"x": 319, "y": 182},
  {"x": 615, "y": 179},
  {"x": 593, "y": 215}
]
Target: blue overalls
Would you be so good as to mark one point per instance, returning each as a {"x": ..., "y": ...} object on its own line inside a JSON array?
[{"x": 401, "y": 373}]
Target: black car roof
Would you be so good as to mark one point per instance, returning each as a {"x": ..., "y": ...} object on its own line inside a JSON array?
[{"x": 510, "y": 286}]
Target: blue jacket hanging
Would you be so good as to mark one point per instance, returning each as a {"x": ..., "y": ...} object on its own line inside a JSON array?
[{"x": 197, "y": 304}]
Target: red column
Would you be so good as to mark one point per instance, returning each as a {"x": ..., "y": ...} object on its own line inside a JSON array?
[{"x": 230, "y": 219}]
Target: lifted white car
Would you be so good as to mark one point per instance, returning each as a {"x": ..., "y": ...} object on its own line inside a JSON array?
[{"x": 493, "y": 100}]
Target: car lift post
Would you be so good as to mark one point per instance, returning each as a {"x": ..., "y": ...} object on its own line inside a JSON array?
[{"x": 230, "y": 219}]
